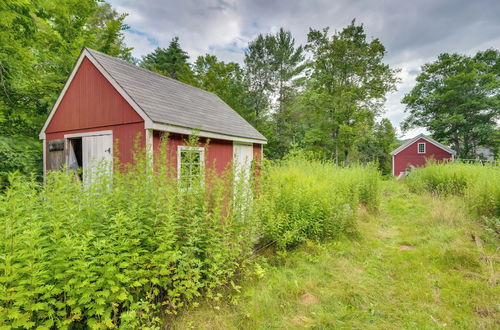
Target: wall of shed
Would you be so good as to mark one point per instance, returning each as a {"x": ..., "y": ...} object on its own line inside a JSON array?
[
  {"x": 410, "y": 155},
  {"x": 218, "y": 153},
  {"x": 257, "y": 152},
  {"x": 91, "y": 103}
]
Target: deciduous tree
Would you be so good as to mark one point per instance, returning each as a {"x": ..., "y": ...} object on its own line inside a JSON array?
[
  {"x": 347, "y": 86},
  {"x": 457, "y": 98}
]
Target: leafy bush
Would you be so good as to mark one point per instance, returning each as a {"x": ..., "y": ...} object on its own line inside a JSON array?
[
  {"x": 114, "y": 254},
  {"x": 442, "y": 178},
  {"x": 117, "y": 254},
  {"x": 303, "y": 200},
  {"x": 19, "y": 154},
  {"x": 478, "y": 184}
]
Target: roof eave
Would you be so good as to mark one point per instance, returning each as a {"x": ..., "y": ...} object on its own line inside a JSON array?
[{"x": 165, "y": 127}]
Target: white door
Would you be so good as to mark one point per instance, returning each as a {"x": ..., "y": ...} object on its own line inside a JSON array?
[
  {"x": 97, "y": 156},
  {"x": 242, "y": 157}
]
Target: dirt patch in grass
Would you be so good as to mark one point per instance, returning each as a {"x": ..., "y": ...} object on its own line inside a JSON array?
[
  {"x": 301, "y": 320},
  {"x": 405, "y": 247},
  {"x": 308, "y": 299}
]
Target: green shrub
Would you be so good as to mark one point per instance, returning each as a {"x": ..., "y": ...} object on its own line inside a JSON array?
[
  {"x": 478, "y": 184},
  {"x": 115, "y": 254},
  {"x": 441, "y": 178},
  {"x": 303, "y": 200},
  {"x": 20, "y": 154},
  {"x": 118, "y": 254}
]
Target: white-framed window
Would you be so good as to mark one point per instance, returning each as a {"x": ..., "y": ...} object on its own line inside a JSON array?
[
  {"x": 421, "y": 148},
  {"x": 190, "y": 165}
]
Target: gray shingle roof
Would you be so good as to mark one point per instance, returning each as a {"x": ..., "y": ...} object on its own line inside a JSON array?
[{"x": 168, "y": 101}]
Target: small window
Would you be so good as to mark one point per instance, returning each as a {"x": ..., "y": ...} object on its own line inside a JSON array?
[
  {"x": 421, "y": 148},
  {"x": 190, "y": 165}
]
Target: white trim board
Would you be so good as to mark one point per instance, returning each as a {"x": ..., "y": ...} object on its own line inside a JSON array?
[
  {"x": 205, "y": 134},
  {"x": 75, "y": 135},
  {"x": 44, "y": 159}
]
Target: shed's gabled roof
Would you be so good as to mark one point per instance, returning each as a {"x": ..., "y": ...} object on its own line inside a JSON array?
[
  {"x": 169, "y": 101},
  {"x": 425, "y": 137},
  {"x": 164, "y": 101}
]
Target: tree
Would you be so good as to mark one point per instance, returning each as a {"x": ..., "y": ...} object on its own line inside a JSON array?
[
  {"x": 287, "y": 65},
  {"x": 273, "y": 65},
  {"x": 171, "y": 62},
  {"x": 347, "y": 86},
  {"x": 379, "y": 144},
  {"x": 258, "y": 67},
  {"x": 457, "y": 98}
]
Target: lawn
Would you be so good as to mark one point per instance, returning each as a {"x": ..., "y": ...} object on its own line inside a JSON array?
[{"x": 420, "y": 262}]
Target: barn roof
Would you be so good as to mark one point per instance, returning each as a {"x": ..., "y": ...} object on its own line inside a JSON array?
[
  {"x": 425, "y": 137},
  {"x": 168, "y": 101}
]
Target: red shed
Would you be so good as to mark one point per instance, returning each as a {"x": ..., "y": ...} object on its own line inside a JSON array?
[
  {"x": 107, "y": 103},
  {"x": 416, "y": 151}
]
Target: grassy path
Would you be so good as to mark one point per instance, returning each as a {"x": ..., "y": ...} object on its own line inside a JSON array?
[{"x": 419, "y": 263}]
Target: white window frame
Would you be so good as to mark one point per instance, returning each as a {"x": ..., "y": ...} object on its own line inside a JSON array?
[
  {"x": 180, "y": 149},
  {"x": 418, "y": 147}
]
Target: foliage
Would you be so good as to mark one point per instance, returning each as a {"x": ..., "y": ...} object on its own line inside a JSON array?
[
  {"x": 39, "y": 43},
  {"x": 171, "y": 62},
  {"x": 346, "y": 88},
  {"x": 22, "y": 155},
  {"x": 116, "y": 254},
  {"x": 274, "y": 66},
  {"x": 457, "y": 98},
  {"x": 259, "y": 69},
  {"x": 303, "y": 200},
  {"x": 121, "y": 253},
  {"x": 377, "y": 145},
  {"x": 477, "y": 183}
]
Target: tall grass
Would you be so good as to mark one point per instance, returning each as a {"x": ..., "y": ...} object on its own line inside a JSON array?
[
  {"x": 305, "y": 200},
  {"x": 478, "y": 184},
  {"x": 120, "y": 253}
]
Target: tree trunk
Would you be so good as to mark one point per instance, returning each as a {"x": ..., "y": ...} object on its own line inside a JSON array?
[
  {"x": 336, "y": 143},
  {"x": 346, "y": 159},
  {"x": 456, "y": 141}
]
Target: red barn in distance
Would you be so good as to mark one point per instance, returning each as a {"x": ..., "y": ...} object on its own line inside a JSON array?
[
  {"x": 106, "y": 99},
  {"x": 417, "y": 151}
]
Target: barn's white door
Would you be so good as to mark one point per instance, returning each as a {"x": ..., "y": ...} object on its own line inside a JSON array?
[
  {"x": 97, "y": 157},
  {"x": 242, "y": 158}
]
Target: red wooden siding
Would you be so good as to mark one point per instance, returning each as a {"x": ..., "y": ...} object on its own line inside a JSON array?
[
  {"x": 410, "y": 155},
  {"x": 125, "y": 134},
  {"x": 218, "y": 154},
  {"x": 91, "y": 103},
  {"x": 257, "y": 152}
]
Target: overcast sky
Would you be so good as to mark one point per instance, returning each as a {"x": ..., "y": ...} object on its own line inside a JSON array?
[{"x": 414, "y": 32}]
